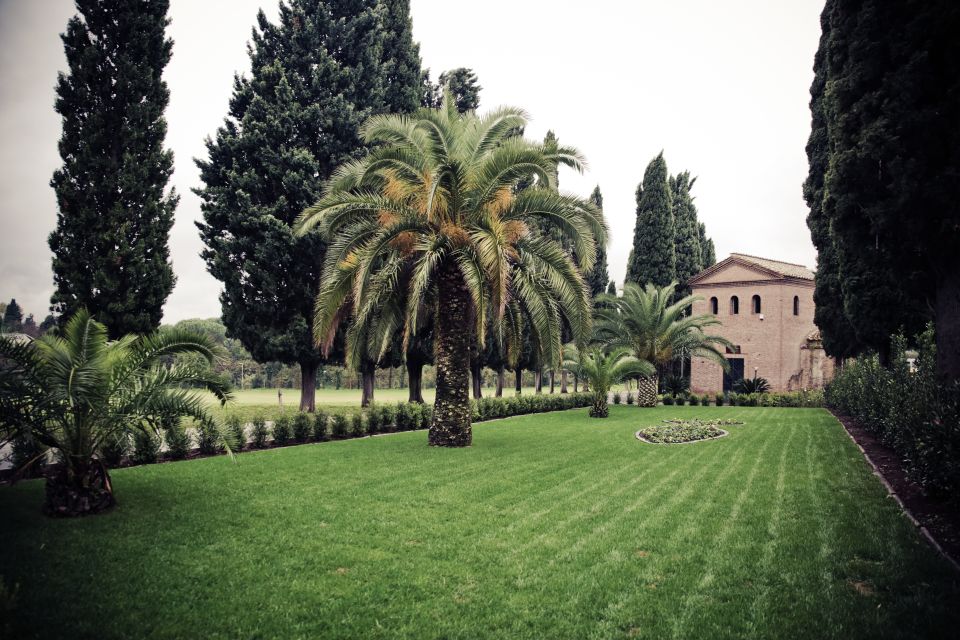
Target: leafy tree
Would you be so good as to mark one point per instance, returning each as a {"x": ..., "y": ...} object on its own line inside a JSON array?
[
  {"x": 708, "y": 254},
  {"x": 653, "y": 257},
  {"x": 30, "y": 326},
  {"x": 316, "y": 75},
  {"x": 110, "y": 243},
  {"x": 598, "y": 277},
  {"x": 657, "y": 330},
  {"x": 461, "y": 83},
  {"x": 603, "y": 370},
  {"x": 77, "y": 392},
  {"x": 13, "y": 317},
  {"x": 436, "y": 197},
  {"x": 687, "y": 248},
  {"x": 48, "y": 323}
]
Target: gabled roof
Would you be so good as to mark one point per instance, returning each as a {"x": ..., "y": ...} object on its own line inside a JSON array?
[{"x": 773, "y": 268}]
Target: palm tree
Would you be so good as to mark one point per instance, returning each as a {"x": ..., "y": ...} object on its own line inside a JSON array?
[
  {"x": 603, "y": 370},
  {"x": 657, "y": 331},
  {"x": 436, "y": 199},
  {"x": 75, "y": 392}
]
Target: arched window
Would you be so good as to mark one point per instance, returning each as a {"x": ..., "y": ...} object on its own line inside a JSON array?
[
  {"x": 756, "y": 304},
  {"x": 734, "y": 305},
  {"x": 714, "y": 305},
  {"x": 796, "y": 305}
]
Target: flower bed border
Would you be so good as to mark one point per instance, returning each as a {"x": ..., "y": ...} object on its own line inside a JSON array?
[{"x": 723, "y": 433}]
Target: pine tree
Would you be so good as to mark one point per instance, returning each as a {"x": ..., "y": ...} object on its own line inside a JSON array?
[
  {"x": 689, "y": 255},
  {"x": 12, "y": 317},
  {"x": 612, "y": 288},
  {"x": 708, "y": 254},
  {"x": 598, "y": 278},
  {"x": 316, "y": 75},
  {"x": 462, "y": 84},
  {"x": 653, "y": 257},
  {"x": 110, "y": 243}
]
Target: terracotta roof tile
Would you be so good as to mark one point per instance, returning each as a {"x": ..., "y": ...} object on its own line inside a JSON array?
[{"x": 786, "y": 269}]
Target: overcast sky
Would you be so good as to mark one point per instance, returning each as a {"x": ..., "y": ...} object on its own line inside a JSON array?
[{"x": 721, "y": 87}]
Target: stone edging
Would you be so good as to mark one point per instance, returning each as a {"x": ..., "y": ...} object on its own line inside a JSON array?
[
  {"x": 723, "y": 433},
  {"x": 924, "y": 532}
]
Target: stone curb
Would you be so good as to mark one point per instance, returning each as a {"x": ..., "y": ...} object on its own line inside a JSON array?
[{"x": 723, "y": 433}]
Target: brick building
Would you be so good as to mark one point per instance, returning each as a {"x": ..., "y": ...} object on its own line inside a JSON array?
[{"x": 766, "y": 307}]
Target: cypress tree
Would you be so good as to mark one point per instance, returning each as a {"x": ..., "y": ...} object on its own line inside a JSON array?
[
  {"x": 12, "y": 317},
  {"x": 689, "y": 255},
  {"x": 708, "y": 254},
  {"x": 110, "y": 243},
  {"x": 612, "y": 288},
  {"x": 462, "y": 84},
  {"x": 653, "y": 257},
  {"x": 598, "y": 278},
  {"x": 316, "y": 75}
]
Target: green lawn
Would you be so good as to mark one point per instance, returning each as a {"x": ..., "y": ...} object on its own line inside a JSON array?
[{"x": 550, "y": 526}]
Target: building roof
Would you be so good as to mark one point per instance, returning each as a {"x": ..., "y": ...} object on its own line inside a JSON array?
[{"x": 774, "y": 268}]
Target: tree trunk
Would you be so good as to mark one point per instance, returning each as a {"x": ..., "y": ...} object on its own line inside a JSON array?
[
  {"x": 415, "y": 375},
  {"x": 368, "y": 372},
  {"x": 451, "y": 410},
  {"x": 518, "y": 381},
  {"x": 476, "y": 373},
  {"x": 552, "y": 380},
  {"x": 81, "y": 488},
  {"x": 308, "y": 386},
  {"x": 647, "y": 391},
  {"x": 599, "y": 409},
  {"x": 500, "y": 382},
  {"x": 948, "y": 326},
  {"x": 563, "y": 382},
  {"x": 538, "y": 381}
]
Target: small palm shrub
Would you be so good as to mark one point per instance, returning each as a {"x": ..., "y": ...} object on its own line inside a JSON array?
[
  {"x": 339, "y": 426},
  {"x": 629, "y": 398},
  {"x": 752, "y": 385},
  {"x": 681, "y": 400},
  {"x": 320, "y": 426},
  {"x": 301, "y": 427},
  {"x": 146, "y": 447},
  {"x": 178, "y": 440},
  {"x": 718, "y": 399},
  {"x": 281, "y": 430},
  {"x": 676, "y": 385},
  {"x": 616, "y": 397},
  {"x": 26, "y": 456},
  {"x": 114, "y": 449},
  {"x": 668, "y": 400},
  {"x": 259, "y": 432},
  {"x": 237, "y": 432},
  {"x": 209, "y": 439}
]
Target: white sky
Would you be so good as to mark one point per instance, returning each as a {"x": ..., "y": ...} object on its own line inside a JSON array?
[{"x": 721, "y": 87}]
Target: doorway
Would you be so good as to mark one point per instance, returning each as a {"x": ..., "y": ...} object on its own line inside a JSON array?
[{"x": 733, "y": 376}]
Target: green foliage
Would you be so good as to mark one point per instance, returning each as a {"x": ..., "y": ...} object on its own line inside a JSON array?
[
  {"x": 178, "y": 441},
  {"x": 316, "y": 75},
  {"x": 357, "y": 429},
  {"x": 598, "y": 277},
  {"x": 630, "y": 397},
  {"x": 259, "y": 432},
  {"x": 12, "y": 318},
  {"x": 462, "y": 85},
  {"x": 689, "y": 254},
  {"x": 708, "y": 254},
  {"x": 373, "y": 418},
  {"x": 675, "y": 385},
  {"x": 668, "y": 401},
  {"x": 752, "y": 385},
  {"x": 110, "y": 248},
  {"x": 680, "y": 432},
  {"x": 114, "y": 449},
  {"x": 210, "y": 441},
  {"x": 320, "y": 420},
  {"x": 339, "y": 426},
  {"x": 494, "y": 408},
  {"x": 302, "y": 427},
  {"x": 146, "y": 447},
  {"x": 26, "y": 457},
  {"x": 718, "y": 399},
  {"x": 617, "y": 398},
  {"x": 237, "y": 433},
  {"x": 653, "y": 256},
  {"x": 281, "y": 430}
]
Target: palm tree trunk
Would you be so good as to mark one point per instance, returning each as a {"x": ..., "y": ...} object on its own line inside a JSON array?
[
  {"x": 599, "y": 409},
  {"x": 500, "y": 382},
  {"x": 518, "y": 381},
  {"x": 476, "y": 374},
  {"x": 308, "y": 386},
  {"x": 368, "y": 372},
  {"x": 552, "y": 380},
  {"x": 538, "y": 381},
  {"x": 563, "y": 382},
  {"x": 451, "y": 410},
  {"x": 77, "y": 488},
  {"x": 415, "y": 377},
  {"x": 647, "y": 391}
]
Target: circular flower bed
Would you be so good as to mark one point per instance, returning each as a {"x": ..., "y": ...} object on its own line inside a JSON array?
[{"x": 681, "y": 431}]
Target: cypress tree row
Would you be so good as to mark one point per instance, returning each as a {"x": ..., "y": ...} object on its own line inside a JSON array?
[
  {"x": 689, "y": 254},
  {"x": 462, "y": 84},
  {"x": 882, "y": 186},
  {"x": 598, "y": 278},
  {"x": 110, "y": 243},
  {"x": 316, "y": 75},
  {"x": 708, "y": 254},
  {"x": 653, "y": 257}
]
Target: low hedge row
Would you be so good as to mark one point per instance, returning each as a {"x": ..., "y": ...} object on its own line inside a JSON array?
[{"x": 812, "y": 398}]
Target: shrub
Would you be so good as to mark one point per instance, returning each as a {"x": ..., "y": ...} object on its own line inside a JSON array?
[
  {"x": 668, "y": 400},
  {"x": 281, "y": 430},
  {"x": 681, "y": 400},
  {"x": 629, "y": 398},
  {"x": 25, "y": 450},
  {"x": 339, "y": 426},
  {"x": 301, "y": 427},
  {"x": 733, "y": 399},
  {"x": 320, "y": 425},
  {"x": 373, "y": 419},
  {"x": 259, "y": 432},
  {"x": 209, "y": 440},
  {"x": 752, "y": 385},
  {"x": 237, "y": 432},
  {"x": 356, "y": 426},
  {"x": 146, "y": 447},
  {"x": 414, "y": 415},
  {"x": 616, "y": 397},
  {"x": 178, "y": 441},
  {"x": 718, "y": 399},
  {"x": 114, "y": 448},
  {"x": 426, "y": 412},
  {"x": 675, "y": 385},
  {"x": 387, "y": 417},
  {"x": 404, "y": 417}
]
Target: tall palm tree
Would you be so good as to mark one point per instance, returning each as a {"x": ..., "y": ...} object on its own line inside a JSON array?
[
  {"x": 75, "y": 392},
  {"x": 657, "y": 330},
  {"x": 603, "y": 369},
  {"x": 436, "y": 198}
]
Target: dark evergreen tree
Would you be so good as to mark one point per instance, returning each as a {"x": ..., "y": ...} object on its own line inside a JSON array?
[
  {"x": 598, "y": 277},
  {"x": 708, "y": 254},
  {"x": 29, "y": 326},
  {"x": 689, "y": 255},
  {"x": 12, "y": 317},
  {"x": 612, "y": 288},
  {"x": 110, "y": 244},
  {"x": 462, "y": 84},
  {"x": 653, "y": 257},
  {"x": 316, "y": 75},
  {"x": 48, "y": 323},
  {"x": 883, "y": 165}
]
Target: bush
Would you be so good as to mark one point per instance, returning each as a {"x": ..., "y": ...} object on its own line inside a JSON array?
[
  {"x": 681, "y": 400},
  {"x": 668, "y": 400},
  {"x": 733, "y": 399},
  {"x": 114, "y": 448},
  {"x": 426, "y": 413},
  {"x": 373, "y": 419},
  {"x": 281, "y": 430},
  {"x": 629, "y": 398},
  {"x": 301, "y": 427},
  {"x": 178, "y": 441},
  {"x": 675, "y": 385},
  {"x": 320, "y": 426},
  {"x": 616, "y": 397},
  {"x": 237, "y": 432},
  {"x": 387, "y": 417},
  {"x": 752, "y": 385},
  {"x": 209, "y": 440},
  {"x": 25, "y": 450},
  {"x": 146, "y": 447},
  {"x": 339, "y": 426},
  {"x": 259, "y": 433},
  {"x": 718, "y": 399}
]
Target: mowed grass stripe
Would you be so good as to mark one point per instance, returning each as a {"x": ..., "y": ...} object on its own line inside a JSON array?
[{"x": 531, "y": 533}]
